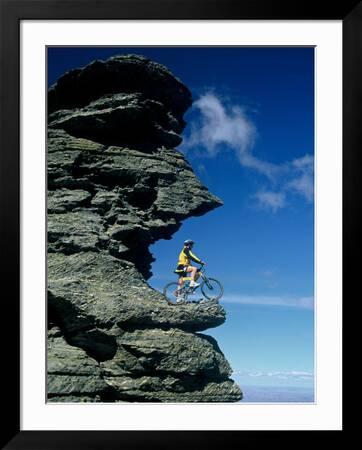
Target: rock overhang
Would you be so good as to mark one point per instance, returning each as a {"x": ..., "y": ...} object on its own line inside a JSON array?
[{"x": 119, "y": 74}]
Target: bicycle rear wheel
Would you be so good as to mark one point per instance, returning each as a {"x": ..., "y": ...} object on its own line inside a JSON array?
[
  {"x": 212, "y": 289},
  {"x": 170, "y": 291}
]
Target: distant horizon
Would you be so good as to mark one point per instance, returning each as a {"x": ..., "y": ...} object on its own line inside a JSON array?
[{"x": 278, "y": 394}]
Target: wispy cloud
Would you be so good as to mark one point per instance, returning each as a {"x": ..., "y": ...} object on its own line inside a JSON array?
[
  {"x": 270, "y": 200},
  {"x": 295, "y": 302},
  {"x": 298, "y": 178},
  {"x": 201, "y": 169},
  {"x": 221, "y": 126},
  {"x": 267, "y": 273},
  {"x": 283, "y": 375},
  {"x": 302, "y": 181}
]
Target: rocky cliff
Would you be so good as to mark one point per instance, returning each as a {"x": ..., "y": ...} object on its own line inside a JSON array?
[{"x": 116, "y": 184}]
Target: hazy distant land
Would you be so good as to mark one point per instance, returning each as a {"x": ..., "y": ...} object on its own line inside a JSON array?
[{"x": 277, "y": 394}]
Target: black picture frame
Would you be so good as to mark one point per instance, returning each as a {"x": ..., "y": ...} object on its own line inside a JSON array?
[{"x": 11, "y": 13}]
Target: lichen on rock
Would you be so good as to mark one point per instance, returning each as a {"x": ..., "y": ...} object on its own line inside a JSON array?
[{"x": 116, "y": 185}]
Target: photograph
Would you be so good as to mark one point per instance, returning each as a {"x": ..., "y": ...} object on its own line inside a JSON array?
[
  {"x": 178, "y": 184},
  {"x": 180, "y": 224}
]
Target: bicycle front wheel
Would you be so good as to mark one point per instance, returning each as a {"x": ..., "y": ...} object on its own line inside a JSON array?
[
  {"x": 170, "y": 292},
  {"x": 212, "y": 289}
]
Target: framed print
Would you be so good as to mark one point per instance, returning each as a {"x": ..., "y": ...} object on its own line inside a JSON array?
[{"x": 172, "y": 211}]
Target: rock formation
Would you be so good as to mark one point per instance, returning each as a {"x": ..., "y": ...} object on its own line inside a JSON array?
[{"x": 116, "y": 184}]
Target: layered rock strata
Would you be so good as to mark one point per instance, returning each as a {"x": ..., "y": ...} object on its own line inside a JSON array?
[{"x": 116, "y": 184}]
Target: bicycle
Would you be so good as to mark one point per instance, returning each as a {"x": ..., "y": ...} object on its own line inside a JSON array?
[{"x": 211, "y": 289}]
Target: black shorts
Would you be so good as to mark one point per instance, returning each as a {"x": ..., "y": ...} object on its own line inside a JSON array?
[{"x": 181, "y": 270}]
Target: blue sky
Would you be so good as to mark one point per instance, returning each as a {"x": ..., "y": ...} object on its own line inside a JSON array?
[{"x": 250, "y": 139}]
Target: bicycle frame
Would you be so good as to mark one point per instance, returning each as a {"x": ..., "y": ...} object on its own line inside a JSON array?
[{"x": 200, "y": 273}]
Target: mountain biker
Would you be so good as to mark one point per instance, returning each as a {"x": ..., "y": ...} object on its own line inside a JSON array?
[{"x": 184, "y": 265}]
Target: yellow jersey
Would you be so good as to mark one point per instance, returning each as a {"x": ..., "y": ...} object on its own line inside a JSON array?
[{"x": 186, "y": 256}]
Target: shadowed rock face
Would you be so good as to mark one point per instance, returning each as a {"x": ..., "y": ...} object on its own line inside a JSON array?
[{"x": 116, "y": 184}]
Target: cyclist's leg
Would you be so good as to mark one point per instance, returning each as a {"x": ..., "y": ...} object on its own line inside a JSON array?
[
  {"x": 181, "y": 274},
  {"x": 179, "y": 293},
  {"x": 180, "y": 282},
  {"x": 193, "y": 271}
]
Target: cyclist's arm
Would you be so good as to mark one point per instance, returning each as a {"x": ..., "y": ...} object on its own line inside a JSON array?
[{"x": 193, "y": 257}]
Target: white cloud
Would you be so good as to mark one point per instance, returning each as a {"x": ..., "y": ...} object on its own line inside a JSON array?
[
  {"x": 267, "y": 273},
  {"x": 296, "y": 373},
  {"x": 303, "y": 181},
  {"x": 270, "y": 200},
  {"x": 201, "y": 169},
  {"x": 297, "y": 177},
  {"x": 225, "y": 127},
  {"x": 304, "y": 163},
  {"x": 219, "y": 125},
  {"x": 295, "y": 302},
  {"x": 284, "y": 375}
]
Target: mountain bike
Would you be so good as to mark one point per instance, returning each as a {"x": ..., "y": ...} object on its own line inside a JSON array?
[{"x": 211, "y": 289}]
